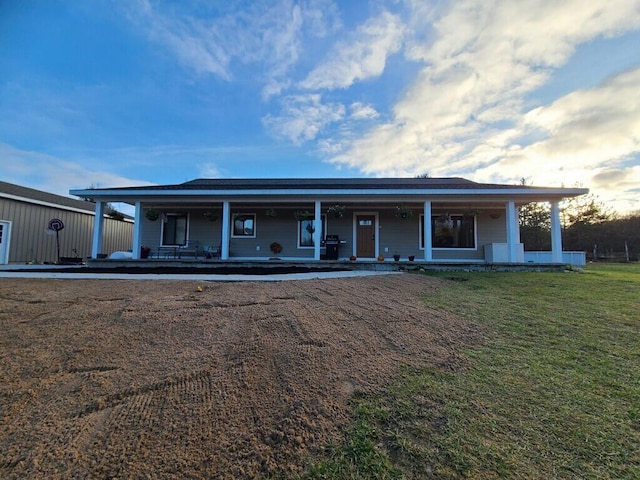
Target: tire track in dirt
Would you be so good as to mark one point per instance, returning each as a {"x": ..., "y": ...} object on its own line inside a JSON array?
[{"x": 242, "y": 381}]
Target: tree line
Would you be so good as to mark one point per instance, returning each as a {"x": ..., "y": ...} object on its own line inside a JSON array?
[{"x": 587, "y": 225}]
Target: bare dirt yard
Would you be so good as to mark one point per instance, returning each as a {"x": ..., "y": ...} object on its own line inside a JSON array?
[{"x": 166, "y": 379}]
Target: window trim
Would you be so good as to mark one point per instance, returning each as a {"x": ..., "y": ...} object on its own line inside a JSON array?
[
  {"x": 186, "y": 229},
  {"x": 454, "y": 249},
  {"x": 233, "y": 221},
  {"x": 323, "y": 219}
]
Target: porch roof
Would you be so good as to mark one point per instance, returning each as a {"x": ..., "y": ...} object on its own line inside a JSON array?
[{"x": 330, "y": 187}]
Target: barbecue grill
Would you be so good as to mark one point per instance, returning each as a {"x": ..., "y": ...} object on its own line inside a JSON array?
[{"x": 332, "y": 244}]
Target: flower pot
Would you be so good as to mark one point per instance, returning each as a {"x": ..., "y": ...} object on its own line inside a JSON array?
[
  {"x": 412, "y": 258},
  {"x": 396, "y": 258}
]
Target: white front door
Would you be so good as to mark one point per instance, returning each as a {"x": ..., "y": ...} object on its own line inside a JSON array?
[{"x": 5, "y": 235}]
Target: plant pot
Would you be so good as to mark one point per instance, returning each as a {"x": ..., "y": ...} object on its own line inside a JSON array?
[
  {"x": 396, "y": 258},
  {"x": 412, "y": 258},
  {"x": 381, "y": 258},
  {"x": 353, "y": 258}
]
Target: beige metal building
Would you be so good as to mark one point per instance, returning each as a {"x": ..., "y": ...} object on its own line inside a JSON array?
[{"x": 26, "y": 216}]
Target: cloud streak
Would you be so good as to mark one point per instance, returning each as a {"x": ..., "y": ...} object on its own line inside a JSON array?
[
  {"x": 464, "y": 114},
  {"x": 362, "y": 55}
]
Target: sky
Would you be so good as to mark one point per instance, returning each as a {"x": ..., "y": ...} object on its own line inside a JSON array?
[{"x": 110, "y": 93}]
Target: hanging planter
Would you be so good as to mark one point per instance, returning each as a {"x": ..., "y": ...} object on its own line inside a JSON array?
[
  {"x": 270, "y": 213},
  {"x": 337, "y": 211},
  {"x": 403, "y": 212},
  {"x": 152, "y": 214},
  {"x": 303, "y": 215}
]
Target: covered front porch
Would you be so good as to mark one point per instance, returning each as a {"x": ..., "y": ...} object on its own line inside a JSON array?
[{"x": 201, "y": 231}]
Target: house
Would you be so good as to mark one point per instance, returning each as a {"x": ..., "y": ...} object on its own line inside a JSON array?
[
  {"x": 26, "y": 216},
  {"x": 331, "y": 218}
]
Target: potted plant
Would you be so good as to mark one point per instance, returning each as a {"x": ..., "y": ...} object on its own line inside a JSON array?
[
  {"x": 403, "y": 212},
  {"x": 381, "y": 258},
  {"x": 412, "y": 258},
  {"x": 275, "y": 247},
  {"x": 145, "y": 251},
  {"x": 396, "y": 257},
  {"x": 212, "y": 216},
  {"x": 270, "y": 212},
  {"x": 353, "y": 258},
  {"x": 302, "y": 215},
  {"x": 152, "y": 214},
  {"x": 336, "y": 210}
]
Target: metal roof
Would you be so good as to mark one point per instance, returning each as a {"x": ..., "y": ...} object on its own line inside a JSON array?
[
  {"x": 10, "y": 190},
  {"x": 266, "y": 188},
  {"x": 350, "y": 184}
]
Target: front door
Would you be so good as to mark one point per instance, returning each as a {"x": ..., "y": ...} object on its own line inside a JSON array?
[
  {"x": 365, "y": 236},
  {"x": 5, "y": 233}
]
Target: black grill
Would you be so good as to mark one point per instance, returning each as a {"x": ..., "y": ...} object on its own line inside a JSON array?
[{"x": 332, "y": 243}]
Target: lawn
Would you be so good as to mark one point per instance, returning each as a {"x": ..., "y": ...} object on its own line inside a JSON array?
[{"x": 552, "y": 390}]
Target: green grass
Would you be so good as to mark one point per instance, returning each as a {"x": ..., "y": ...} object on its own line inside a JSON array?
[{"x": 553, "y": 390}]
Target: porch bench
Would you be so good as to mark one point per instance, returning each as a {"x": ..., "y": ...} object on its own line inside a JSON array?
[
  {"x": 167, "y": 252},
  {"x": 190, "y": 248}
]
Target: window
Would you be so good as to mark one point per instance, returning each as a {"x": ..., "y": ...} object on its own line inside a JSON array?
[
  {"x": 450, "y": 231},
  {"x": 306, "y": 229},
  {"x": 244, "y": 225},
  {"x": 174, "y": 229}
]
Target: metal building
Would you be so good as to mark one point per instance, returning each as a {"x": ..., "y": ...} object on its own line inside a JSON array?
[{"x": 26, "y": 235}]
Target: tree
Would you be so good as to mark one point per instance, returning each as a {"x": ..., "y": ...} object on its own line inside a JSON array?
[
  {"x": 535, "y": 224},
  {"x": 582, "y": 219}
]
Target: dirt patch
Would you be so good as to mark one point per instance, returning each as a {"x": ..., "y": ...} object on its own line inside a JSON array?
[{"x": 135, "y": 379}]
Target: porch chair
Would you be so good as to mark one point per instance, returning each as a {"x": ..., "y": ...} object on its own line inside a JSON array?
[
  {"x": 211, "y": 251},
  {"x": 189, "y": 248}
]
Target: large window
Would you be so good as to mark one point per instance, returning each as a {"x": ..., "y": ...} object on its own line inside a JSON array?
[
  {"x": 174, "y": 229},
  {"x": 244, "y": 225},
  {"x": 450, "y": 231},
  {"x": 306, "y": 229}
]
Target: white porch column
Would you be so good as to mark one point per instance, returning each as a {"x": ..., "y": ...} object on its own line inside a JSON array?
[
  {"x": 98, "y": 230},
  {"x": 137, "y": 231},
  {"x": 428, "y": 246},
  {"x": 556, "y": 233},
  {"x": 513, "y": 232},
  {"x": 317, "y": 233},
  {"x": 226, "y": 226}
]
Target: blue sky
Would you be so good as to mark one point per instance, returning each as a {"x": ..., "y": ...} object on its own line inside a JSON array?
[{"x": 118, "y": 93}]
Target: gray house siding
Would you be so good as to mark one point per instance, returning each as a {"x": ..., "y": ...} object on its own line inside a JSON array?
[
  {"x": 30, "y": 242},
  {"x": 395, "y": 235}
]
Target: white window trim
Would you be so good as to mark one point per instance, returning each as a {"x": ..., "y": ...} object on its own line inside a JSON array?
[{"x": 326, "y": 226}]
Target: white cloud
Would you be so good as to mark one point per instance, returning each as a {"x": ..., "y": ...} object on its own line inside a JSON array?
[
  {"x": 268, "y": 34},
  {"x": 303, "y": 117},
  {"x": 464, "y": 113},
  {"x": 362, "y": 55},
  {"x": 55, "y": 175},
  {"x": 361, "y": 111},
  {"x": 209, "y": 170}
]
